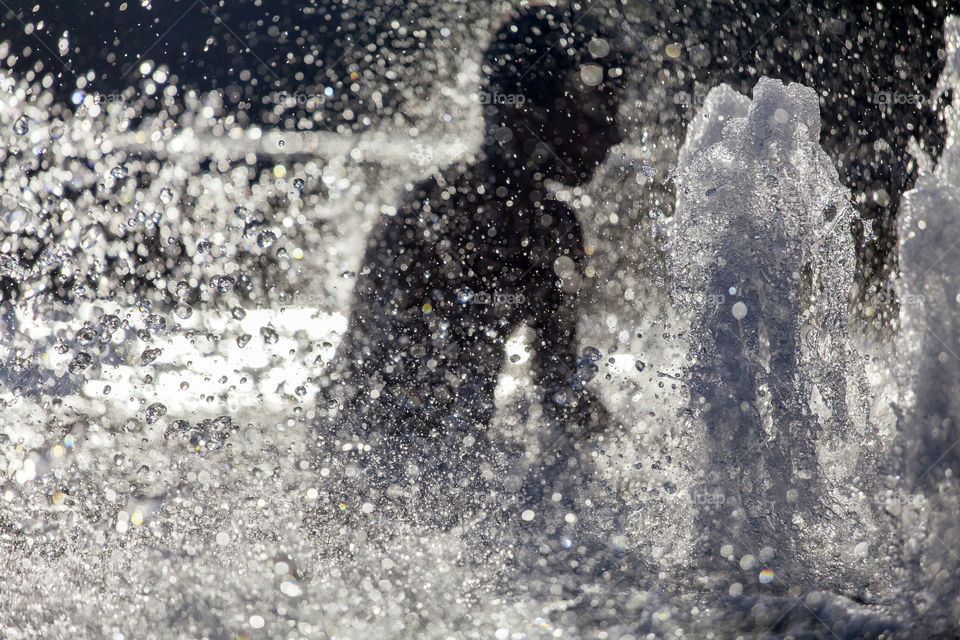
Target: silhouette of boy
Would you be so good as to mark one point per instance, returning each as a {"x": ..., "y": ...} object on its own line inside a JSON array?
[{"x": 481, "y": 247}]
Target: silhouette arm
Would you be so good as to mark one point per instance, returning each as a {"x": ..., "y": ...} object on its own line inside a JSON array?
[{"x": 559, "y": 274}]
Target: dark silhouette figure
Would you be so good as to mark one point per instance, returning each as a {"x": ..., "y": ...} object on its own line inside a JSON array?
[{"x": 480, "y": 248}]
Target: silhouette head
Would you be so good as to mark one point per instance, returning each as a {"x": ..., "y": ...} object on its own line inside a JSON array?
[{"x": 551, "y": 89}]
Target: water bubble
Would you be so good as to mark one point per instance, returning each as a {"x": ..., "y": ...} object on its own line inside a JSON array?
[
  {"x": 269, "y": 334},
  {"x": 155, "y": 411},
  {"x": 204, "y": 246},
  {"x": 149, "y": 355},
  {"x": 298, "y": 183},
  {"x": 119, "y": 172},
  {"x": 21, "y": 126},
  {"x": 183, "y": 311},
  {"x": 515, "y": 358},
  {"x": 166, "y": 195},
  {"x": 242, "y": 340},
  {"x": 739, "y": 310},
  {"x": 241, "y": 212},
  {"x": 265, "y": 239},
  {"x": 465, "y": 295},
  {"x": 238, "y": 313},
  {"x": 640, "y": 365},
  {"x": 57, "y": 130}
]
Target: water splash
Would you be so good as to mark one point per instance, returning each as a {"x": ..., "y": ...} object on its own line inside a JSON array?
[
  {"x": 928, "y": 368},
  {"x": 763, "y": 262}
]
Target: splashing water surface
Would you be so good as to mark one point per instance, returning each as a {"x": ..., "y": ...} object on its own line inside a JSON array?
[{"x": 172, "y": 294}]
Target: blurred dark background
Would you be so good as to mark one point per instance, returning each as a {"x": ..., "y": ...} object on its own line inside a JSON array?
[{"x": 351, "y": 66}]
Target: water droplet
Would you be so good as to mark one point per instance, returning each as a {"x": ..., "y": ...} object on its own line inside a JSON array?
[
  {"x": 154, "y": 412},
  {"x": 265, "y": 239},
  {"x": 155, "y": 323},
  {"x": 223, "y": 284},
  {"x": 243, "y": 340},
  {"x": 585, "y": 372},
  {"x": 119, "y": 172},
  {"x": 87, "y": 335},
  {"x": 166, "y": 195},
  {"x": 21, "y": 126},
  {"x": 592, "y": 354},
  {"x": 240, "y": 212},
  {"x": 80, "y": 362},
  {"x": 238, "y": 313},
  {"x": 298, "y": 183},
  {"x": 640, "y": 365},
  {"x": 465, "y": 295},
  {"x": 269, "y": 335},
  {"x": 149, "y": 355},
  {"x": 176, "y": 428},
  {"x": 183, "y": 311}
]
